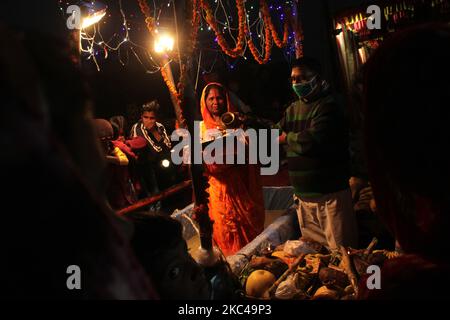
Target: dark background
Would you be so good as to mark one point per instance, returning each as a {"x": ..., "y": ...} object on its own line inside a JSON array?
[{"x": 123, "y": 84}]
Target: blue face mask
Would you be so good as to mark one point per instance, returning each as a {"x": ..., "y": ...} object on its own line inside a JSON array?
[{"x": 304, "y": 89}]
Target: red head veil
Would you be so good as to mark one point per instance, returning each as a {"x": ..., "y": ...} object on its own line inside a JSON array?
[{"x": 206, "y": 115}]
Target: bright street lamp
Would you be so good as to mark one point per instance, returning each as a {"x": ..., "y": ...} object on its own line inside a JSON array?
[{"x": 163, "y": 43}]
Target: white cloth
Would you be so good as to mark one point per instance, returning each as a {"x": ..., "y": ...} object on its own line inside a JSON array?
[{"x": 328, "y": 219}]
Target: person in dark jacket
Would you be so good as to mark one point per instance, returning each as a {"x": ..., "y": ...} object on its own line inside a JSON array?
[
  {"x": 155, "y": 157},
  {"x": 316, "y": 134}
]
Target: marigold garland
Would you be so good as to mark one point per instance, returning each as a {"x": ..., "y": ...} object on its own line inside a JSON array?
[
  {"x": 270, "y": 32},
  {"x": 270, "y": 35},
  {"x": 239, "y": 49},
  {"x": 266, "y": 13},
  {"x": 150, "y": 22},
  {"x": 267, "y": 41},
  {"x": 195, "y": 23},
  {"x": 169, "y": 83},
  {"x": 298, "y": 35}
]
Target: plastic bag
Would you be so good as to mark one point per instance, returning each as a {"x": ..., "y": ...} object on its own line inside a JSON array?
[
  {"x": 288, "y": 288},
  {"x": 297, "y": 247}
]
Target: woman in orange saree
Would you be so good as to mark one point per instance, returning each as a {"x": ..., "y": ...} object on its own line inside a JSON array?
[{"x": 236, "y": 203}]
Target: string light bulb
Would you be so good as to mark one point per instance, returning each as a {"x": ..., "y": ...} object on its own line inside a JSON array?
[{"x": 92, "y": 13}]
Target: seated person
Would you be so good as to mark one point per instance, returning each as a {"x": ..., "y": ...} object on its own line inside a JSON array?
[
  {"x": 118, "y": 123},
  {"x": 112, "y": 153},
  {"x": 159, "y": 245},
  {"x": 120, "y": 190},
  {"x": 130, "y": 146}
]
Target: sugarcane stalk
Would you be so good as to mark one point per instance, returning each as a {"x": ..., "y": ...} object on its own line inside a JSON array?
[
  {"x": 370, "y": 247},
  {"x": 347, "y": 264},
  {"x": 291, "y": 268}
]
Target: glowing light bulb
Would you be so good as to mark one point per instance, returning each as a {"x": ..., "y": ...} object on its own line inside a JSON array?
[
  {"x": 165, "y": 163},
  {"x": 93, "y": 19},
  {"x": 164, "y": 43}
]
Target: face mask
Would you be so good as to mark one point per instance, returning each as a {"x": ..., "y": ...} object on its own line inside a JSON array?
[{"x": 304, "y": 89}]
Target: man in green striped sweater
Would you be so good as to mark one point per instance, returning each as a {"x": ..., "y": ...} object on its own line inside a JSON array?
[{"x": 316, "y": 134}]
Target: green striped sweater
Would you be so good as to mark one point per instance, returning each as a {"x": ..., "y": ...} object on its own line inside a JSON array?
[{"x": 318, "y": 154}]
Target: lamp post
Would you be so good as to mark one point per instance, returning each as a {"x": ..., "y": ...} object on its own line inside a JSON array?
[{"x": 163, "y": 46}]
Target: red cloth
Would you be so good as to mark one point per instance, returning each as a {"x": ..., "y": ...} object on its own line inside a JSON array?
[
  {"x": 124, "y": 148},
  {"x": 137, "y": 143},
  {"x": 236, "y": 203},
  {"x": 409, "y": 277}
]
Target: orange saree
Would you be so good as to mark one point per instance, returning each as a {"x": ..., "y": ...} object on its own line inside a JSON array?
[{"x": 236, "y": 203}]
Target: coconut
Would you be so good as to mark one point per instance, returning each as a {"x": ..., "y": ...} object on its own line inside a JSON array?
[
  {"x": 258, "y": 282},
  {"x": 323, "y": 293}
]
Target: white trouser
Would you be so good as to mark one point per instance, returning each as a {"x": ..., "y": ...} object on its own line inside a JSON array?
[{"x": 328, "y": 219}]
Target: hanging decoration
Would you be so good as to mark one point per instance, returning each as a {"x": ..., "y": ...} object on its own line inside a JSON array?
[
  {"x": 267, "y": 41},
  {"x": 176, "y": 93},
  {"x": 195, "y": 23},
  {"x": 150, "y": 23},
  {"x": 395, "y": 14},
  {"x": 255, "y": 31},
  {"x": 268, "y": 20},
  {"x": 238, "y": 50},
  {"x": 244, "y": 34}
]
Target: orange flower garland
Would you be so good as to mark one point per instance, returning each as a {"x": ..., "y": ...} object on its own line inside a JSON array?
[
  {"x": 195, "y": 22},
  {"x": 149, "y": 21},
  {"x": 239, "y": 49},
  {"x": 169, "y": 84},
  {"x": 270, "y": 32},
  {"x": 268, "y": 44},
  {"x": 173, "y": 90},
  {"x": 298, "y": 35},
  {"x": 266, "y": 13}
]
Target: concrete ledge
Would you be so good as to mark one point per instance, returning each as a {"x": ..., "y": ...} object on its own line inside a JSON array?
[
  {"x": 275, "y": 198},
  {"x": 282, "y": 229}
]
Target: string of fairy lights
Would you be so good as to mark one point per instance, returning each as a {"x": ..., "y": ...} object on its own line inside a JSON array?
[{"x": 257, "y": 40}]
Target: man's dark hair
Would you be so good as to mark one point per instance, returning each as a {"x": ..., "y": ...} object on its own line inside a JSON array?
[
  {"x": 152, "y": 106},
  {"x": 308, "y": 63},
  {"x": 154, "y": 234}
]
